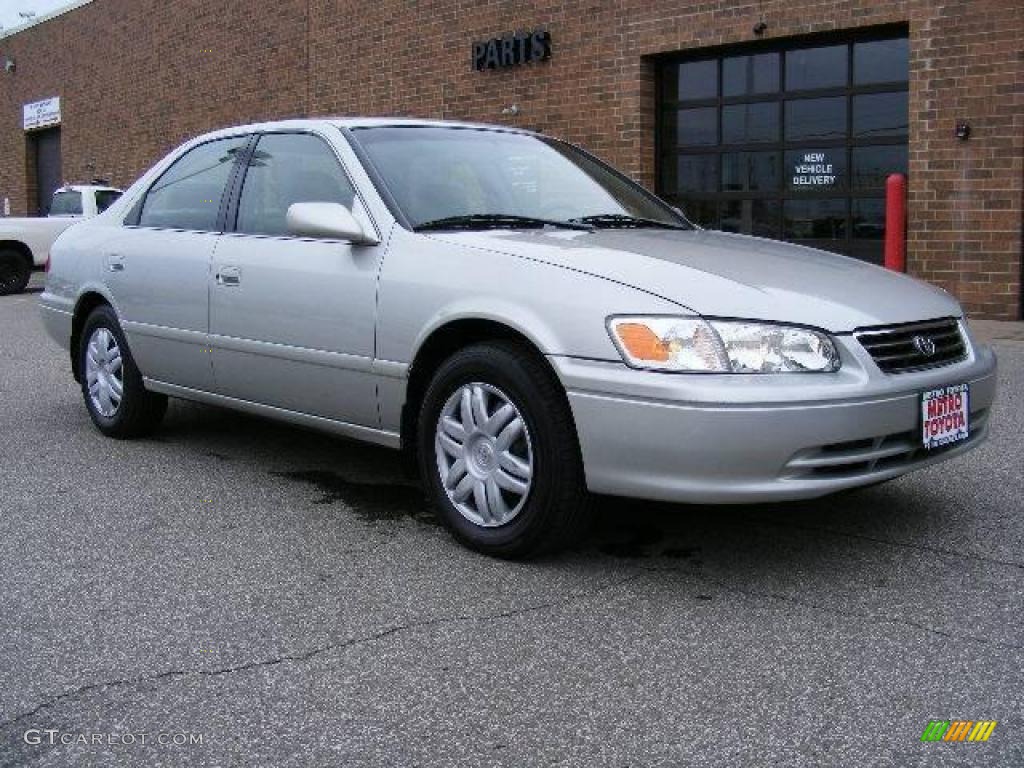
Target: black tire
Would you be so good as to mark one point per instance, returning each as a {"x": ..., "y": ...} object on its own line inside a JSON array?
[
  {"x": 139, "y": 411},
  {"x": 15, "y": 272},
  {"x": 555, "y": 510}
]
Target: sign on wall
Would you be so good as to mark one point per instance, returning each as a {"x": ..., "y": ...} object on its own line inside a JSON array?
[
  {"x": 814, "y": 169},
  {"x": 42, "y": 114},
  {"x": 512, "y": 50}
]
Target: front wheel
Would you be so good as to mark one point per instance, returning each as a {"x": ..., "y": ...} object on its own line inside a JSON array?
[
  {"x": 15, "y": 272},
  {"x": 112, "y": 386},
  {"x": 498, "y": 452}
]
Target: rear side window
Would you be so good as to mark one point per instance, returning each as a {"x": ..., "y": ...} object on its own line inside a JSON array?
[
  {"x": 289, "y": 168},
  {"x": 188, "y": 194},
  {"x": 66, "y": 204},
  {"x": 105, "y": 198}
]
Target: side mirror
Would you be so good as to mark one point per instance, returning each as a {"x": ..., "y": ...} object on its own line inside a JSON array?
[{"x": 332, "y": 221}]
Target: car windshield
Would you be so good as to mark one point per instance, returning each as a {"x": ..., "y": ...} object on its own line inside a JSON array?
[
  {"x": 67, "y": 203},
  {"x": 479, "y": 178}
]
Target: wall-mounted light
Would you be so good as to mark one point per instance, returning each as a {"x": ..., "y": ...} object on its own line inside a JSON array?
[
  {"x": 9, "y": 65},
  {"x": 511, "y": 109},
  {"x": 760, "y": 28},
  {"x": 962, "y": 130}
]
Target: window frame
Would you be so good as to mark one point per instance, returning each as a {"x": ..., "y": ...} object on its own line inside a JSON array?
[
  {"x": 134, "y": 216},
  {"x": 230, "y": 224},
  {"x": 668, "y": 152}
]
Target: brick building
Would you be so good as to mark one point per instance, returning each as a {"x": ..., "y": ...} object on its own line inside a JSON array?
[{"x": 779, "y": 118}]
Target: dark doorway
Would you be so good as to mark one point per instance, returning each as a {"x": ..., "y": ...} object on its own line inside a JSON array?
[
  {"x": 788, "y": 140},
  {"x": 46, "y": 150}
]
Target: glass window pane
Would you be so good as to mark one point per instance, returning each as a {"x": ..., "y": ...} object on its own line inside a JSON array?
[
  {"x": 285, "y": 169},
  {"x": 66, "y": 204},
  {"x": 698, "y": 80},
  {"x": 816, "y": 170},
  {"x": 881, "y": 61},
  {"x": 872, "y": 251},
  {"x": 106, "y": 198},
  {"x": 814, "y": 219},
  {"x": 880, "y": 114},
  {"x": 697, "y": 127},
  {"x": 187, "y": 195},
  {"x": 697, "y": 173},
  {"x": 701, "y": 212},
  {"x": 868, "y": 219},
  {"x": 751, "y": 217},
  {"x": 743, "y": 123},
  {"x": 750, "y": 171},
  {"x": 808, "y": 68},
  {"x": 743, "y": 75},
  {"x": 872, "y": 165},
  {"x": 816, "y": 118}
]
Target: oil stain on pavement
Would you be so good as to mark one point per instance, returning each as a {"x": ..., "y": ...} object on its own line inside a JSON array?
[{"x": 373, "y": 501}]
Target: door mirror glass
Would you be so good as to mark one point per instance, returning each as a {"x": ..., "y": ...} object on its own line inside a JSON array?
[{"x": 332, "y": 221}]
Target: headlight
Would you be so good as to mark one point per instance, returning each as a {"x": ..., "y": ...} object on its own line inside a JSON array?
[{"x": 693, "y": 344}]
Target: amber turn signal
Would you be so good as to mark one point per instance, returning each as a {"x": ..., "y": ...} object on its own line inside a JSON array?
[{"x": 642, "y": 343}]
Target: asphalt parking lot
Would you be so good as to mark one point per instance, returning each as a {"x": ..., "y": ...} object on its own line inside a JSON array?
[{"x": 285, "y": 599}]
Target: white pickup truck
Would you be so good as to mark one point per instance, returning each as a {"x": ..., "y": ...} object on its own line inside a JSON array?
[{"x": 25, "y": 242}]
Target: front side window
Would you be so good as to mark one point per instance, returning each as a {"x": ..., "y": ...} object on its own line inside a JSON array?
[
  {"x": 66, "y": 204},
  {"x": 439, "y": 173},
  {"x": 105, "y": 198},
  {"x": 188, "y": 194},
  {"x": 289, "y": 168}
]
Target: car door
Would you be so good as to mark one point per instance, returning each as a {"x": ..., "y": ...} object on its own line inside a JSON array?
[
  {"x": 158, "y": 267},
  {"x": 292, "y": 318}
]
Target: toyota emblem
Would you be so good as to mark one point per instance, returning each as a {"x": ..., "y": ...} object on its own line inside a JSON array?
[{"x": 924, "y": 345}]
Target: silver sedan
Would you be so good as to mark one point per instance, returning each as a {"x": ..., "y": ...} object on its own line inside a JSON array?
[{"x": 528, "y": 322}]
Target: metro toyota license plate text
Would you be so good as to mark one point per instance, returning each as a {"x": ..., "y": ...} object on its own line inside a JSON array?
[{"x": 944, "y": 415}]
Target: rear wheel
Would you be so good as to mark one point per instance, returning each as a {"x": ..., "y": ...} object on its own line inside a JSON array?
[
  {"x": 112, "y": 386},
  {"x": 15, "y": 272},
  {"x": 498, "y": 452}
]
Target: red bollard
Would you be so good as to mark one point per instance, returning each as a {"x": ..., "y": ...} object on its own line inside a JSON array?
[{"x": 896, "y": 222}]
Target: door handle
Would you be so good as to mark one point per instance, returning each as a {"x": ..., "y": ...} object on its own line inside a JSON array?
[
  {"x": 115, "y": 262},
  {"x": 229, "y": 276}
]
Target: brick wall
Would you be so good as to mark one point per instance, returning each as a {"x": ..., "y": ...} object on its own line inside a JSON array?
[
  {"x": 136, "y": 77},
  {"x": 964, "y": 227}
]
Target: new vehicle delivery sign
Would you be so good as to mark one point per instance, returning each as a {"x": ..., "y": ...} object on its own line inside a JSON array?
[{"x": 42, "y": 114}]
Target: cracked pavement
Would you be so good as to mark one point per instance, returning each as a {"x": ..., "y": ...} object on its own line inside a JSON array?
[{"x": 287, "y": 596}]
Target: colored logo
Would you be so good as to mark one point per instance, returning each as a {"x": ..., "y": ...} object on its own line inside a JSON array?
[{"x": 958, "y": 730}]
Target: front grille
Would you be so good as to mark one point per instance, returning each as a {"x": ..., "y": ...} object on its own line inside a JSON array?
[
  {"x": 903, "y": 348},
  {"x": 869, "y": 456}
]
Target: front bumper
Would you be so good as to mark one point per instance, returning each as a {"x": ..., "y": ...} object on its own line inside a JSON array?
[{"x": 704, "y": 438}]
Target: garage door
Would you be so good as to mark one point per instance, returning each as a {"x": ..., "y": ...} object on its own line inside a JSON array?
[{"x": 791, "y": 142}]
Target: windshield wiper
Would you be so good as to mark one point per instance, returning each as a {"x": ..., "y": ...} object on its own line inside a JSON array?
[
  {"x": 623, "y": 221},
  {"x": 497, "y": 221}
]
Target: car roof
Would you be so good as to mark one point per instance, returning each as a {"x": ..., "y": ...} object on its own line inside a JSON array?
[
  {"x": 86, "y": 188},
  {"x": 357, "y": 122}
]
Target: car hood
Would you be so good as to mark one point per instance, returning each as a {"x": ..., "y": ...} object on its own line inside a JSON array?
[{"x": 726, "y": 275}]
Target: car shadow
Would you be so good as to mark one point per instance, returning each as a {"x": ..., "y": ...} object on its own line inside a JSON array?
[{"x": 379, "y": 484}]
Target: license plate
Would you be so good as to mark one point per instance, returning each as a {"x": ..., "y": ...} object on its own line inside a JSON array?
[{"x": 945, "y": 413}]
